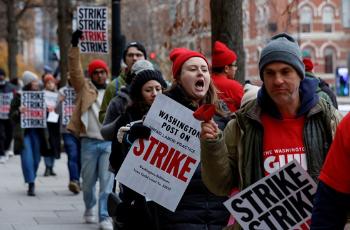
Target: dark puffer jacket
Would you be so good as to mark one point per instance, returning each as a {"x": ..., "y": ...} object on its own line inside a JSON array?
[{"x": 198, "y": 208}]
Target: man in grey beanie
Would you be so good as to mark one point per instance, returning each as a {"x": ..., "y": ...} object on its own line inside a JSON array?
[{"x": 287, "y": 109}]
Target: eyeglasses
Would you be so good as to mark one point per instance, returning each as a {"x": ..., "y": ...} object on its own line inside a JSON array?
[
  {"x": 96, "y": 72},
  {"x": 233, "y": 65}
]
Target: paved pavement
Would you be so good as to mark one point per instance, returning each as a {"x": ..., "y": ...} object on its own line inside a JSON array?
[{"x": 53, "y": 207}]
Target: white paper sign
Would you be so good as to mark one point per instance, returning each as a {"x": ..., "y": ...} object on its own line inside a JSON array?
[
  {"x": 34, "y": 115},
  {"x": 161, "y": 168},
  {"x": 282, "y": 200},
  {"x": 94, "y": 24},
  {"x": 51, "y": 99},
  {"x": 67, "y": 104},
  {"x": 5, "y": 103},
  {"x": 52, "y": 117}
]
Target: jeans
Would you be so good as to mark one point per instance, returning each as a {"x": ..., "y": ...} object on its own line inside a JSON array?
[
  {"x": 49, "y": 161},
  {"x": 72, "y": 147},
  {"x": 94, "y": 165},
  {"x": 30, "y": 156}
]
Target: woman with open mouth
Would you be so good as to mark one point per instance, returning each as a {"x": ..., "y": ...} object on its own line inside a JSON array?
[{"x": 192, "y": 87}]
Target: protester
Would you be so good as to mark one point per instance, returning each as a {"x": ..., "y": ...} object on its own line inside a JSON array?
[
  {"x": 332, "y": 199},
  {"x": 223, "y": 72},
  {"x": 71, "y": 144},
  {"x": 133, "y": 52},
  {"x": 192, "y": 87},
  {"x": 28, "y": 142},
  {"x": 7, "y": 92},
  {"x": 143, "y": 90},
  {"x": 84, "y": 124},
  {"x": 53, "y": 127},
  {"x": 287, "y": 108},
  {"x": 323, "y": 89},
  {"x": 119, "y": 103}
]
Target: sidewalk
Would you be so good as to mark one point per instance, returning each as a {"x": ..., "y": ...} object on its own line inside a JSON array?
[{"x": 53, "y": 207}]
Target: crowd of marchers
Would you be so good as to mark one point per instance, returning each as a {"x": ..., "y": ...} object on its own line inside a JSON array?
[{"x": 238, "y": 144}]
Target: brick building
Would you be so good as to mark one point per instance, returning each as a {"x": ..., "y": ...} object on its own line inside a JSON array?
[{"x": 321, "y": 27}]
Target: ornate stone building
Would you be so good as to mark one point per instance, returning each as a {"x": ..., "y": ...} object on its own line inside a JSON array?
[{"x": 322, "y": 28}]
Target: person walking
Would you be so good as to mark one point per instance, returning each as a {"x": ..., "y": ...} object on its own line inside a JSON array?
[
  {"x": 84, "y": 123},
  {"x": 7, "y": 92},
  {"x": 133, "y": 52},
  {"x": 224, "y": 67},
  {"x": 71, "y": 142},
  {"x": 53, "y": 127},
  {"x": 28, "y": 142},
  {"x": 287, "y": 108},
  {"x": 143, "y": 90},
  {"x": 192, "y": 87},
  {"x": 332, "y": 199}
]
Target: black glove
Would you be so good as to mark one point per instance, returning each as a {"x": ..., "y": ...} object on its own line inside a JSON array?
[
  {"x": 137, "y": 131},
  {"x": 76, "y": 35}
]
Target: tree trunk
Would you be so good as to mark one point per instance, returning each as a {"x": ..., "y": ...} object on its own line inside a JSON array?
[
  {"x": 12, "y": 39},
  {"x": 64, "y": 34},
  {"x": 227, "y": 27}
]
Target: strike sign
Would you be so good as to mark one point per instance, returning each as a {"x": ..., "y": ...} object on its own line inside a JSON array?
[
  {"x": 161, "y": 168},
  {"x": 34, "y": 115},
  {"x": 93, "y": 22},
  {"x": 282, "y": 200}
]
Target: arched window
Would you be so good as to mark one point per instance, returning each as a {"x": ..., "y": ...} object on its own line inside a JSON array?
[
  {"x": 309, "y": 52},
  {"x": 329, "y": 59},
  {"x": 305, "y": 19},
  {"x": 327, "y": 18}
]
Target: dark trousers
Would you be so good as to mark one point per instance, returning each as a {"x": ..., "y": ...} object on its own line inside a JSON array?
[
  {"x": 330, "y": 208},
  {"x": 6, "y": 135}
]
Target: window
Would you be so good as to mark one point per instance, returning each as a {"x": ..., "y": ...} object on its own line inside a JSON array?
[
  {"x": 305, "y": 19},
  {"x": 329, "y": 56},
  {"x": 327, "y": 18},
  {"x": 309, "y": 53}
]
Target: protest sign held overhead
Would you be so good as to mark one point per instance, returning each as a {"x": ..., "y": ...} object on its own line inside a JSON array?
[
  {"x": 282, "y": 200},
  {"x": 34, "y": 115},
  {"x": 5, "y": 102},
  {"x": 68, "y": 104},
  {"x": 161, "y": 168},
  {"x": 94, "y": 24}
]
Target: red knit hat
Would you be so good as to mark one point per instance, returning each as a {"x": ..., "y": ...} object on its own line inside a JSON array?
[
  {"x": 309, "y": 66},
  {"x": 180, "y": 55},
  {"x": 48, "y": 77},
  {"x": 97, "y": 64},
  {"x": 222, "y": 55}
]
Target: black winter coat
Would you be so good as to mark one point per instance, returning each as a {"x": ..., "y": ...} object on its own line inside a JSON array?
[{"x": 198, "y": 209}]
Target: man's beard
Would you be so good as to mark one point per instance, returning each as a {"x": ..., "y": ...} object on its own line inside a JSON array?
[{"x": 99, "y": 86}]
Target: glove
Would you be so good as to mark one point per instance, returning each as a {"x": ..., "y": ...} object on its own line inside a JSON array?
[
  {"x": 76, "y": 35},
  {"x": 121, "y": 132},
  {"x": 137, "y": 131}
]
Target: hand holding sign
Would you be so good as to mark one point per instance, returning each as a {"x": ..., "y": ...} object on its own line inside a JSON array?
[
  {"x": 75, "y": 37},
  {"x": 138, "y": 131}
]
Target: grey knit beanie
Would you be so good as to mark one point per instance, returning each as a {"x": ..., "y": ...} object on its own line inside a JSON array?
[
  {"x": 282, "y": 48},
  {"x": 28, "y": 77},
  {"x": 141, "y": 65}
]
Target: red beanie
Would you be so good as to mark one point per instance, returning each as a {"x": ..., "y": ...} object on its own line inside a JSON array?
[
  {"x": 222, "y": 55},
  {"x": 180, "y": 55},
  {"x": 309, "y": 66},
  {"x": 97, "y": 64},
  {"x": 49, "y": 77}
]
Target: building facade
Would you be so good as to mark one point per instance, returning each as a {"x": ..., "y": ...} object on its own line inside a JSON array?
[{"x": 320, "y": 26}]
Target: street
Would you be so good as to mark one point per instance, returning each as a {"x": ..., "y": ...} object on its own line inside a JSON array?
[{"x": 53, "y": 207}]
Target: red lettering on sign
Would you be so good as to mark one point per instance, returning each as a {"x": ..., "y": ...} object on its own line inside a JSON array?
[{"x": 167, "y": 160}]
